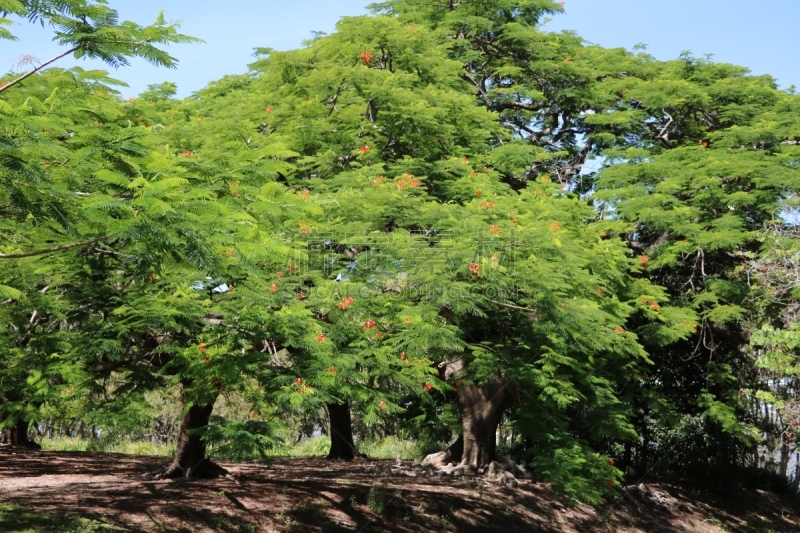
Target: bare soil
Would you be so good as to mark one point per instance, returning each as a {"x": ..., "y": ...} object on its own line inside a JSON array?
[{"x": 318, "y": 495}]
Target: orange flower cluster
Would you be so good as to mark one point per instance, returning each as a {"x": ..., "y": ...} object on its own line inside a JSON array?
[
  {"x": 364, "y": 150},
  {"x": 478, "y": 193},
  {"x": 301, "y": 295},
  {"x": 304, "y": 227},
  {"x": 305, "y": 194},
  {"x": 475, "y": 269},
  {"x": 487, "y": 205},
  {"x": 402, "y": 355},
  {"x": 600, "y": 292},
  {"x": 428, "y": 386},
  {"x": 332, "y": 370},
  {"x": 345, "y": 303},
  {"x": 655, "y": 306},
  {"x": 618, "y": 330},
  {"x": 494, "y": 229},
  {"x": 555, "y": 226},
  {"x": 407, "y": 181},
  {"x": 369, "y": 324},
  {"x": 202, "y": 348},
  {"x": 320, "y": 337},
  {"x": 366, "y": 57},
  {"x": 644, "y": 260},
  {"x": 377, "y": 180},
  {"x": 187, "y": 153},
  {"x": 273, "y": 288}
]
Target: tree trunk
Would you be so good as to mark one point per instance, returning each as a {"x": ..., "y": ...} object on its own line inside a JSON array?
[
  {"x": 481, "y": 411},
  {"x": 17, "y": 435},
  {"x": 190, "y": 455},
  {"x": 342, "y": 446}
]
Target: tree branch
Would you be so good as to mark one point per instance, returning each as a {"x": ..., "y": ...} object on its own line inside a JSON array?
[
  {"x": 51, "y": 250},
  {"x": 37, "y": 69}
]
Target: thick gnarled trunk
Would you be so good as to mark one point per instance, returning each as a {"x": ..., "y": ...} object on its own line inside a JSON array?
[
  {"x": 17, "y": 435},
  {"x": 190, "y": 456},
  {"x": 341, "y": 431},
  {"x": 481, "y": 411}
]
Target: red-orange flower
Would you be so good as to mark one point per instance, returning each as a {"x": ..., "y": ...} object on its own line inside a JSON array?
[
  {"x": 369, "y": 324},
  {"x": 612, "y": 462},
  {"x": 428, "y": 386},
  {"x": 299, "y": 381},
  {"x": 610, "y": 484},
  {"x": 202, "y": 348},
  {"x": 513, "y": 219},
  {"x": 407, "y": 181},
  {"x": 273, "y": 288},
  {"x": 305, "y": 194},
  {"x": 475, "y": 269},
  {"x": 269, "y": 109},
  {"x": 301, "y": 295},
  {"x": 345, "y": 303},
  {"x": 494, "y": 229},
  {"x": 402, "y": 355},
  {"x": 366, "y": 57},
  {"x": 382, "y": 405},
  {"x": 555, "y": 226},
  {"x": 643, "y": 260},
  {"x": 618, "y": 330},
  {"x": 320, "y": 337},
  {"x": 364, "y": 149},
  {"x": 600, "y": 292},
  {"x": 187, "y": 153},
  {"x": 655, "y": 306},
  {"x": 478, "y": 193},
  {"x": 332, "y": 370},
  {"x": 279, "y": 275}
]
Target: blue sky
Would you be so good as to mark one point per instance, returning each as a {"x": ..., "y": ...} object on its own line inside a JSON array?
[{"x": 758, "y": 35}]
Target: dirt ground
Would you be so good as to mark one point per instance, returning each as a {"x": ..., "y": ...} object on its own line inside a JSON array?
[{"x": 115, "y": 493}]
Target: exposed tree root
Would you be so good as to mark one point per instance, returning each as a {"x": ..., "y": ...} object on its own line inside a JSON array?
[
  {"x": 205, "y": 469},
  {"x": 502, "y": 470}
]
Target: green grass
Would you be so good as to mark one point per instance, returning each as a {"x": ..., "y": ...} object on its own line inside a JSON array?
[
  {"x": 389, "y": 447},
  {"x": 383, "y": 449},
  {"x": 316, "y": 446},
  {"x": 65, "y": 444},
  {"x": 14, "y": 519}
]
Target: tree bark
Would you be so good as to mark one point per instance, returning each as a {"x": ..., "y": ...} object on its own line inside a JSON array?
[
  {"x": 190, "y": 455},
  {"x": 17, "y": 435},
  {"x": 482, "y": 409},
  {"x": 342, "y": 446}
]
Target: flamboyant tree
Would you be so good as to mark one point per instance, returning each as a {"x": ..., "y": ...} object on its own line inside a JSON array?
[{"x": 454, "y": 250}]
